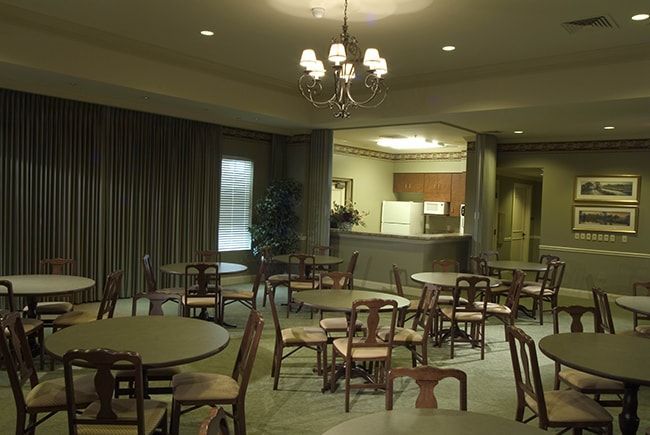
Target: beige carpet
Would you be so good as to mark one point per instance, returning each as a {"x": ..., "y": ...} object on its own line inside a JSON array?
[{"x": 299, "y": 407}]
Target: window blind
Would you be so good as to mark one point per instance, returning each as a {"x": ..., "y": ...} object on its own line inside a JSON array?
[{"x": 235, "y": 207}]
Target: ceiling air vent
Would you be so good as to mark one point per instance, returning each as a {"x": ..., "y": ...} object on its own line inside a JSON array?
[{"x": 595, "y": 23}]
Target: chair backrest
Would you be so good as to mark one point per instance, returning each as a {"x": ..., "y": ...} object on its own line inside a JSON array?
[
  {"x": 576, "y": 312},
  {"x": 340, "y": 280},
  {"x": 156, "y": 302},
  {"x": 352, "y": 264},
  {"x": 197, "y": 279},
  {"x": 641, "y": 288},
  {"x": 260, "y": 275},
  {"x": 398, "y": 280},
  {"x": 528, "y": 380},
  {"x": 427, "y": 310},
  {"x": 545, "y": 259},
  {"x": 247, "y": 350},
  {"x": 109, "y": 296},
  {"x": 149, "y": 274},
  {"x": 552, "y": 278},
  {"x": 604, "y": 320},
  {"x": 208, "y": 256},
  {"x": 474, "y": 288},
  {"x": 215, "y": 424},
  {"x": 373, "y": 308},
  {"x": 16, "y": 356},
  {"x": 514, "y": 293},
  {"x": 11, "y": 302},
  {"x": 57, "y": 266},
  {"x": 270, "y": 292},
  {"x": 427, "y": 378},
  {"x": 302, "y": 263},
  {"x": 478, "y": 265},
  {"x": 321, "y": 250},
  {"x": 103, "y": 360},
  {"x": 489, "y": 255},
  {"x": 445, "y": 265}
]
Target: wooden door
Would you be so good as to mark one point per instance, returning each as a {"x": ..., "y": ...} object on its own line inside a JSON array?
[
  {"x": 457, "y": 193},
  {"x": 519, "y": 236},
  {"x": 437, "y": 187}
]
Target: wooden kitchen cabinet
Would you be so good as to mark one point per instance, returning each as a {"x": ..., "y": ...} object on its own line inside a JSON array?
[
  {"x": 457, "y": 193},
  {"x": 408, "y": 182},
  {"x": 437, "y": 187}
]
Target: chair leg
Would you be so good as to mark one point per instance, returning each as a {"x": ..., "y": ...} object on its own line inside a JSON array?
[
  {"x": 278, "y": 365},
  {"x": 452, "y": 334},
  {"x": 482, "y": 329},
  {"x": 348, "y": 375},
  {"x": 541, "y": 310},
  {"x": 333, "y": 372},
  {"x": 41, "y": 345},
  {"x": 240, "y": 418},
  {"x": 176, "y": 417},
  {"x": 324, "y": 367},
  {"x": 32, "y": 422},
  {"x": 319, "y": 364},
  {"x": 519, "y": 416},
  {"x": 20, "y": 423}
]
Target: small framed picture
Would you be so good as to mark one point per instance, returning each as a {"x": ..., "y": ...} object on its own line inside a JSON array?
[
  {"x": 618, "y": 188},
  {"x": 605, "y": 219}
]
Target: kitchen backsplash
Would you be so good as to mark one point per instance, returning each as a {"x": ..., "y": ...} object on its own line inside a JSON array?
[{"x": 441, "y": 224}]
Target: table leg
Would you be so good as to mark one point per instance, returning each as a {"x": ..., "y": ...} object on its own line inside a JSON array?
[
  {"x": 31, "y": 306},
  {"x": 628, "y": 420}
]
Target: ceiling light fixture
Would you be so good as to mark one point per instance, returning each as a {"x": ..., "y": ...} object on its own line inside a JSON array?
[
  {"x": 518, "y": 132},
  {"x": 207, "y": 32},
  {"x": 609, "y": 127},
  {"x": 404, "y": 143},
  {"x": 448, "y": 48},
  {"x": 345, "y": 54},
  {"x": 640, "y": 17}
]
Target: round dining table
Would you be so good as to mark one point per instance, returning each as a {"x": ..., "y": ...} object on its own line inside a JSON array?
[
  {"x": 619, "y": 357},
  {"x": 412, "y": 421},
  {"x": 35, "y": 287},
  {"x": 341, "y": 300},
  {"x": 447, "y": 280},
  {"x": 636, "y": 304},
  {"x": 526, "y": 266},
  {"x": 161, "y": 341},
  {"x": 319, "y": 260},
  {"x": 224, "y": 268}
]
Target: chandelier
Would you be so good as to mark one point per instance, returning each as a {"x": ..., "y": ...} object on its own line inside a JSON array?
[{"x": 345, "y": 55}]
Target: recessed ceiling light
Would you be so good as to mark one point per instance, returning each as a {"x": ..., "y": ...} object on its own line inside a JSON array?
[
  {"x": 640, "y": 17},
  {"x": 609, "y": 127},
  {"x": 518, "y": 132},
  {"x": 207, "y": 32},
  {"x": 404, "y": 143},
  {"x": 448, "y": 48},
  {"x": 146, "y": 97}
]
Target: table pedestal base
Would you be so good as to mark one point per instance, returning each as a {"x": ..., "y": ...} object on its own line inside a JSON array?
[{"x": 628, "y": 420}]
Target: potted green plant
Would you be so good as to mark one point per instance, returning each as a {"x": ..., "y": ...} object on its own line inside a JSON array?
[
  {"x": 275, "y": 221},
  {"x": 345, "y": 216}
]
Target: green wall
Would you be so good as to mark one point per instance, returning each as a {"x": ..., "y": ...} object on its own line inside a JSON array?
[{"x": 612, "y": 266}]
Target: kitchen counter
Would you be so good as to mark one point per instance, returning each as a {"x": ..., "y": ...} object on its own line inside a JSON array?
[{"x": 412, "y": 253}]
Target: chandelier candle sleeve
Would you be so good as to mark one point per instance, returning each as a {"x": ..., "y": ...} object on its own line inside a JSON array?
[{"x": 347, "y": 61}]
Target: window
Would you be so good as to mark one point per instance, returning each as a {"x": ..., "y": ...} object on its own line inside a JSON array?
[{"x": 235, "y": 207}]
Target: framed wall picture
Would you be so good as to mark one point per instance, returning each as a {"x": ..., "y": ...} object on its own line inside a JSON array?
[
  {"x": 618, "y": 188},
  {"x": 605, "y": 219}
]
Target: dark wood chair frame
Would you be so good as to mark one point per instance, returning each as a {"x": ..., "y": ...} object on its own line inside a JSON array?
[
  {"x": 408, "y": 313},
  {"x": 56, "y": 266},
  {"x": 524, "y": 360},
  {"x": 427, "y": 378},
  {"x": 103, "y": 361},
  {"x": 552, "y": 280},
  {"x": 604, "y": 320},
  {"x": 241, "y": 373},
  {"x": 512, "y": 301},
  {"x": 371, "y": 340},
  {"x": 637, "y": 288},
  {"x": 304, "y": 265},
  {"x": 197, "y": 286},
  {"x": 248, "y": 303}
]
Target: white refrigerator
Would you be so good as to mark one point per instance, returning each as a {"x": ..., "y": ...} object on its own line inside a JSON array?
[{"x": 402, "y": 217}]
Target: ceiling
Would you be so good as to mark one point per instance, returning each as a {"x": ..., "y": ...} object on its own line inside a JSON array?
[{"x": 515, "y": 67}]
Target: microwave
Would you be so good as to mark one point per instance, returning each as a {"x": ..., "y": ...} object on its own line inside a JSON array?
[{"x": 436, "y": 207}]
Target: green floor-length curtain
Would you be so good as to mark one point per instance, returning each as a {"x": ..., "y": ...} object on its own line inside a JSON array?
[
  {"x": 104, "y": 186},
  {"x": 319, "y": 189}
]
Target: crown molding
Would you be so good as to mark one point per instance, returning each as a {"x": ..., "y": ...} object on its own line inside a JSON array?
[
  {"x": 619, "y": 54},
  {"x": 89, "y": 35},
  {"x": 381, "y": 155},
  {"x": 601, "y": 145}
]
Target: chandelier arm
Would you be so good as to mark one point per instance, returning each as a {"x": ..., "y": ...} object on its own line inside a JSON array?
[
  {"x": 310, "y": 87},
  {"x": 378, "y": 89}
]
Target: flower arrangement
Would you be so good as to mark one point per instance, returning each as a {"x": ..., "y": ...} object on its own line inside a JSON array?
[{"x": 345, "y": 216}]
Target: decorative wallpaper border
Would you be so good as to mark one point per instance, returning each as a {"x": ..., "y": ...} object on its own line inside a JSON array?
[
  {"x": 246, "y": 134},
  {"x": 363, "y": 152},
  {"x": 589, "y": 145}
]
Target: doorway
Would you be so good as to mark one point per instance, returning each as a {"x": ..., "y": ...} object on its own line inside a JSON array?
[{"x": 520, "y": 229}]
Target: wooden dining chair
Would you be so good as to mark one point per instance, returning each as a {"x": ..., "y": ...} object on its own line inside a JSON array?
[
  {"x": 409, "y": 312},
  {"x": 321, "y": 250},
  {"x": 640, "y": 289},
  {"x": 216, "y": 423},
  {"x": 303, "y": 279},
  {"x": 507, "y": 313},
  {"x": 108, "y": 415},
  {"x": 424, "y": 323},
  {"x": 339, "y": 324},
  {"x": 547, "y": 290},
  {"x": 369, "y": 348},
  {"x": 473, "y": 313},
  {"x": 210, "y": 256},
  {"x": 603, "y": 314},
  {"x": 297, "y": 338},
  {"x": 151, "y": 283},
  {"x": 43, "y": 397},
  {"x": 195, "y": 390},
  {"x": 32, "y": 327},
  {"x": 198, "y": 294},
  {"x": 106, "y": 309},
  {"x": 585, "y": 383},
  {"x": 247, "y": 298},
  {"x": 45, "y": 310},
  {"x": 427, "y": 378},
  {"x": 490, "y": 256},
  {"x": 558, "y": 408}
]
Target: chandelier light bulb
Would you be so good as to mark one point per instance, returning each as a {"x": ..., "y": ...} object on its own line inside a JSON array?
[
  {"x": 348, "y": 71},
  {"x": 318, "y": 70},
  {"x": 308, "y": 59},
  {"x": 381, "y": 68},
  {"x": 371, "y": 58},
  {"x": 337, "y": 53}
]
